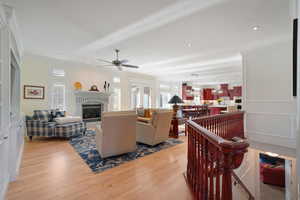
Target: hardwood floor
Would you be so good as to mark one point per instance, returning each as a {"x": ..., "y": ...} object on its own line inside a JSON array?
[{"x": 51, "y": 169}]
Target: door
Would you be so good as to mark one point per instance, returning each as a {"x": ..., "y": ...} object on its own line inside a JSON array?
[
  {"x": 4, "y": 109},
  {"x": 141, "y": 96}
]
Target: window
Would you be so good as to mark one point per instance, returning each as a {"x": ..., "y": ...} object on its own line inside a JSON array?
[
  {"x": 147, "y": 97},
  {"x": 58, "y": 72},
  {"x": 164, "y": 86},
  {"x": 116, "y": 99},
  {"x": 164, "y": 98},
  {"x": 116, "y": 79},
  {"x": 57, "y": 89},
  {"x": 135, "y": 97},
  {"x": 58, "y": 97}
]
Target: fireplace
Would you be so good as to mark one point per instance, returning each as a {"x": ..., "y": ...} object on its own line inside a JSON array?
[
  {"x": 90, "y": 105},
  {"x": 91, "y": 112}
]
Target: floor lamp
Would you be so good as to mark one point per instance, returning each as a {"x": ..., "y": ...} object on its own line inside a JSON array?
[{"x": 175, "y": 100}]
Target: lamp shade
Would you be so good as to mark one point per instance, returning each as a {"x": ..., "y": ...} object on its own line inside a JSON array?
[{"x": 175, "y": 99}]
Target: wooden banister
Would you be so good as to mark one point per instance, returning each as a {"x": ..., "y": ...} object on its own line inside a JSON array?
[
  {"x": 216, "y": 146},
  {"x": 224, "y": 125}
]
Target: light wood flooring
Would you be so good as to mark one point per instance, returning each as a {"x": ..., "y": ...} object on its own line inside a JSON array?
[{"x": 52, "y": 170}]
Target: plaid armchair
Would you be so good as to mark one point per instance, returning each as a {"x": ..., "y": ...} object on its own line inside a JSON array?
[{"x": 42, "y": 124}]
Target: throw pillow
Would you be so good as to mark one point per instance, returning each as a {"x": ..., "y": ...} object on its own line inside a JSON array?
[
  {"x": 42, "y": 115},
  {"x": 60, "y": 113},
  {"x": 140, "y": 112},
  {"x": 147, "y": 113},
  {"x": 56, "y": 113},
  {"x": 70, "y": 119}
]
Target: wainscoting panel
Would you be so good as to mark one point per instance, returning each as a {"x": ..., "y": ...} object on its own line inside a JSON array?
[
  {"x": 272, "y": 128},
  {"x": 280, "y": 125}
]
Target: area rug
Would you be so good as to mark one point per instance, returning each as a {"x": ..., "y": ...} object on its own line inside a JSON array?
[{"x": 86, "y": 148}]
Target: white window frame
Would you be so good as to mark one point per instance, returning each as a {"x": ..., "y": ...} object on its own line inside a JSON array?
[
  {"x": 113, "y": 102},
  {"x": 141, "y": 85},
  {"x": 58, "y": 78},
  {"x": 54, "y": 104}
]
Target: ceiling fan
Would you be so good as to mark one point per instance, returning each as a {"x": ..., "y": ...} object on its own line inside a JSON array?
[{"x": 118, "y": 63}]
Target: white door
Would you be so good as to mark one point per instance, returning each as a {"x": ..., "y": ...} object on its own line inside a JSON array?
[
  {"x": 4, "y": 112},
  {"x": 141, "y": 96},
  {"x": 270, "y": 107}
]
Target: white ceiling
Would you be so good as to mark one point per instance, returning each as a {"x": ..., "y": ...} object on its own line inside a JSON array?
[{"x": 155, "y": 34}]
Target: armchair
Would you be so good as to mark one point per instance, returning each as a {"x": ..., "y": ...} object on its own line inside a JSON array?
[
  {"x": 157, "y": 131},
  {"x": 117, "y": 133}
]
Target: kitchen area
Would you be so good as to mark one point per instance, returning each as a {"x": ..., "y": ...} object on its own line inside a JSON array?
[{"x": 211, "y": 99}]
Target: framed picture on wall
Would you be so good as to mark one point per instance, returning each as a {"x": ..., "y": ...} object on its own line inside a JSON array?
[{"x": 34, "y": 92}]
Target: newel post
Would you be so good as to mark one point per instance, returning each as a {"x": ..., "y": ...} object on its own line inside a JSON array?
[{"x": 226, "y": 180}]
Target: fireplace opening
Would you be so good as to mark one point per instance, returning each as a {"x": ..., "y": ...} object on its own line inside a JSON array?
[{"x": 91, "y": 112}]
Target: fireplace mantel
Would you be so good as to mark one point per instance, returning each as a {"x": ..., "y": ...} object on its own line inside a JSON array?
[
  {"x": 86, "y": 96},
  {"x": 91, "y": 97}
]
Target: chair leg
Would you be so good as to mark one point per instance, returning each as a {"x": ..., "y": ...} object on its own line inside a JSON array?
[{"x": 30, "y": 138}]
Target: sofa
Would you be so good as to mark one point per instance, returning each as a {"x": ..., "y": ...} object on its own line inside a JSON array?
[
  {"x": 43, "y": 124},
  {"x": 272, "y": 170},
  {"x": 117, "y": 133},
  {"x": 157, "y": 130}
]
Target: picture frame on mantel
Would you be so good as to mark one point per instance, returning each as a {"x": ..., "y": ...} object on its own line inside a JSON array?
[{"x": 34, "y": 92}]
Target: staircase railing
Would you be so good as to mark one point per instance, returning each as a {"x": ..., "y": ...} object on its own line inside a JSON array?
[
  {"x": 226, "y": 126},
  {"x": 215, "y": 147}
]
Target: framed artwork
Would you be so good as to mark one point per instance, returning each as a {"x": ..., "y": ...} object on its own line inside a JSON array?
[{"x": 34, "y": 92}]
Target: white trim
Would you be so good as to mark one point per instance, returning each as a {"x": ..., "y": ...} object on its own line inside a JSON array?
[
  {"x": 18, "y": 165},
  {"x": 269, "y": 101},
  {"x": 4, "y": 189},
  {"x": 261, "y": 133},
  {"x": 265, "y": 113},
  {"x": 276, "y": 140},
  {"x": 14, "y": 28}
]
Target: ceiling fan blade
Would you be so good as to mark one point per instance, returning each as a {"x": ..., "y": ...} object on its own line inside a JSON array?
[
  {"x": 104, "y": 60},
  {"x": 124, "y": 61},
  {"x": 106, "y": 65},
  {"x": 131, "y": 66}
]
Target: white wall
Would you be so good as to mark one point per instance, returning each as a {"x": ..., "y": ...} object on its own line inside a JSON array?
[
  {"x": 36, "y": 71},
  {"x": 271, "y": 109}
]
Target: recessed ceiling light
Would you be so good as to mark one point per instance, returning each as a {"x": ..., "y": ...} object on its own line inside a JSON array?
[
  {"x": 256, "y": 28},
  {"x": 189, "y": 44}
]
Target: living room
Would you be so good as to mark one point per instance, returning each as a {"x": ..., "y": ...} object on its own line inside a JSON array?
[{"x": 131, "y": 100}]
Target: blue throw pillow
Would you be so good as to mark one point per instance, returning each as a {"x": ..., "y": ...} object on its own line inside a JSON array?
[
  {"x": 42, "y": 115},
  {"x": 57, "y": 113}
]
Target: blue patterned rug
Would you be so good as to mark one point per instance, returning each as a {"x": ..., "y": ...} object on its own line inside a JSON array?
[{"x": 86, "y": 148}]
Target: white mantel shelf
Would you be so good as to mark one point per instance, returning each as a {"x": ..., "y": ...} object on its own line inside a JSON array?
[{"x": 91, "y": 93}]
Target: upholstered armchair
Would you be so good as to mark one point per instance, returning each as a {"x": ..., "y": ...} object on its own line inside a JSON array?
[
  {"x": 157, "y": 130},
  {"x": 117, "y": 133}
]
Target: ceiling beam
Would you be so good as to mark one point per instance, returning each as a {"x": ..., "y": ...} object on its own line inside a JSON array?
[{"x": 167, "y": 15}]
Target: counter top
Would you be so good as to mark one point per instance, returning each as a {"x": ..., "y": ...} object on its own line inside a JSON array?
[{"x": 218, "y": 106}]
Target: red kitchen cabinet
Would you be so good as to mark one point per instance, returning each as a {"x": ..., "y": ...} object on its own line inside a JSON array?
[
  {"x": 187, "y": 92},
  {"x": 238, "y": 91},
  {"x": 207, "y": 94}
]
